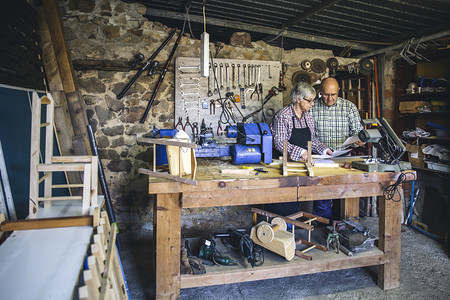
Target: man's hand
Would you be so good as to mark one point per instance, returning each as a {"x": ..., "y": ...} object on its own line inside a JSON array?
[
  {"x": 359, "y": 143},
  {"x": 330, "y": 152}
]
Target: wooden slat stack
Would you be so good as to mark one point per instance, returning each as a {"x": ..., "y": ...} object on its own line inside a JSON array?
[{"x": 104, "y": 278}]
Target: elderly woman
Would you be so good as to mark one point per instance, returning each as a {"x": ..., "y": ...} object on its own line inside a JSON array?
[{"x": 295, "y": 124}]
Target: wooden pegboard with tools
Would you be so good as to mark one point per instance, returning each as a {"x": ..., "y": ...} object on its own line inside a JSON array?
[{"x": 202, "y": 98}]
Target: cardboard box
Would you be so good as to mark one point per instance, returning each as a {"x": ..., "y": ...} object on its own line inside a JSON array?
[
  {"x": 415, "y": 155},
  {"x": 411, "y": 106}
]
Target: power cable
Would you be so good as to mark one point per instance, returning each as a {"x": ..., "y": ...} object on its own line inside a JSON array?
[{"x": 392, "y": 189}]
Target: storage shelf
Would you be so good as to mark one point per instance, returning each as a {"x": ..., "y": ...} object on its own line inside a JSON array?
[
  {"x": 426, "y": 96},
  {"x": 276, "y": 266},
  {"x": 431, "y": 170},
  {"x": 435, "y": 138},
  {"x": 425, "y": 113},
  {"x": 430, "y": 138}
]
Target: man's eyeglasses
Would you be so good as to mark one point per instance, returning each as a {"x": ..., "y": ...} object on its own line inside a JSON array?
[{"x": 329, "y": 95}]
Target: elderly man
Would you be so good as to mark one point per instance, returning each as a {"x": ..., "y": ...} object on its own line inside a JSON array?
[
  {"x": 295, "y": 124},
  {"x": 335, "y": 120}
]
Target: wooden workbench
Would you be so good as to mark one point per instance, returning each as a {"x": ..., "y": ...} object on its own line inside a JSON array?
[{"x": 215, "y": 189}]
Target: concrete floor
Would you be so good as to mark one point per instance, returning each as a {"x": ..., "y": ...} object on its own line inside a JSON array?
[{"x": 425, "y": 274}]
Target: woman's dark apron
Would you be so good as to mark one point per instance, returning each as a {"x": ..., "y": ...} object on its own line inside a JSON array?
[{"x": 299, "y": 137}]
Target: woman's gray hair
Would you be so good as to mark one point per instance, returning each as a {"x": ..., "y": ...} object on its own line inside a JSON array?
[{"x": 302, "y": 90}]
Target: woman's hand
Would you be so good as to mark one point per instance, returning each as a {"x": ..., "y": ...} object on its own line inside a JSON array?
[
  {"x": 330, "y": 152},
  {"x": 304, "y": 156}
]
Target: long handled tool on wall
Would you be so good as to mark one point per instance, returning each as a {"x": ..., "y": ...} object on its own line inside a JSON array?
[
  {"x": 105, "y": 190},
  {"x": 161, "y": 78},
  {"x": 147, "y": 64}
]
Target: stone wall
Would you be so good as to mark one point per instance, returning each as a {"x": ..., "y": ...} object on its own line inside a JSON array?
[{"x": 114, "y": 31}]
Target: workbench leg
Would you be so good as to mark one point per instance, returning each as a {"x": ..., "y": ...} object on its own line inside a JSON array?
[
  {"x": 167, "y": 214},
  {"x": 390, "y": 241},
  {"x": 349, "y": 208}
]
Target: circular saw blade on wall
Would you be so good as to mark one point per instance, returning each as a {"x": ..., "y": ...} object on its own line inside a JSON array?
[
  {"x": 300, "y": 76},
  {"x": 365, "y": 66},
  {"x": 318, "y": 65}
]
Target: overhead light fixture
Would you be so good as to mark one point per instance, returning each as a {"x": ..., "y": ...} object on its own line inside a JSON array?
[{"x": 204, "y": 52}]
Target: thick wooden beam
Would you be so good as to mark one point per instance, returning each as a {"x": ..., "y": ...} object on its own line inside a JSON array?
[
  {"x": 205, "y": 185},
  {"x": 167, "y": 216},
  {"x": 278, "y": 195},
  {"x": 45, "y": 223},
  {"x": 60, "y": 45},
  {"x": 77, "y": 111},
  {"x": 390, "y": 241},
  {"x": 310, "y": 12}
]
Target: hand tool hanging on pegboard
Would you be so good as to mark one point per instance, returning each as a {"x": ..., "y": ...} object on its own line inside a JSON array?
[{"x": 161, "y": 78}]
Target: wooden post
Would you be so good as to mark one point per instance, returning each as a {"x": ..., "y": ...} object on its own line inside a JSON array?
[
  {"x": 390, "y": 241},
  {"x": 34, "y": 155},
  {"x": 167, "y": 216},
  {"x": 349, "y": 207},
  {"x": 309, "y": 160},
  {"x": 154, "y": 157}
]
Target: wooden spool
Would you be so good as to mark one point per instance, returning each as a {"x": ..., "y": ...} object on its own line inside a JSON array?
[
  {"x": 279, "y": 221},
  {"x": 271, "y": 237},
  {"x": 265, "y": 233}
]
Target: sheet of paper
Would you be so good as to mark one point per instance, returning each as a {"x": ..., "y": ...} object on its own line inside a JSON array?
[
  {"x": 324, "y": 161},
  {"x": 336, "y": 153},
  {"x": 350, "y": 140},
  {"x": 327, "y": 163}
]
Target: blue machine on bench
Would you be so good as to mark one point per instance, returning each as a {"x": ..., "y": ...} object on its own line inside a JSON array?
[{"x": 253, "y": 143}]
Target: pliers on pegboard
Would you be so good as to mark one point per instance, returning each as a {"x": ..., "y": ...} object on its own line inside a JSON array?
[
  {"x": 180, "y": 123},
  {"x": 188, "y": 123},
  {"x": 255, "y": 91},
  {"x": 219, "y": 128}
]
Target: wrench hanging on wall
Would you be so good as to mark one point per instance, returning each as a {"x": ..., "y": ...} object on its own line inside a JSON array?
[
  {"x": 245, "y": 82},
  {"x": 221, "y": 76},
  {"x": 239, "y": 75},
  {"x": 227, "y": 73},
  {"x": 232, "y": 75},
  {"x": 209, "y": 83}
]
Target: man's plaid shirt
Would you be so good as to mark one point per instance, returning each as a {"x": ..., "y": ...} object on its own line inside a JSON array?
[
  {"x": 282, "y": 126},
  {"x": 334, "y": 124}
]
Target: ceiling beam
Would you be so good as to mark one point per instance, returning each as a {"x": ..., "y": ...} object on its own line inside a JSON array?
[
  {"x": 423, "y": 31},
  {"x": 257, "y": 28},
  {"x": 400, "y": 45},
  {"x": 309, "y": 13}
]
